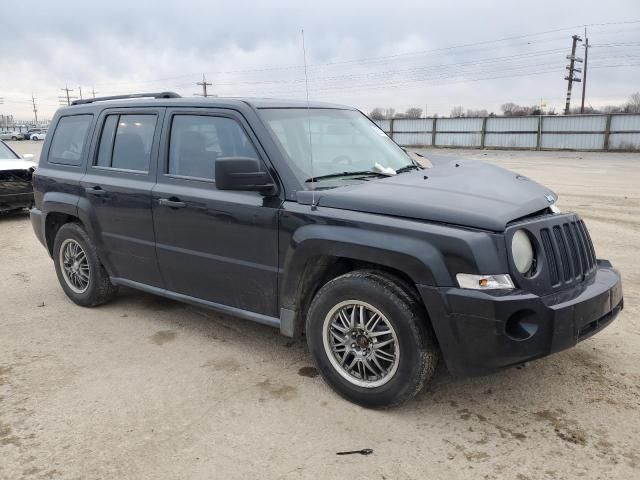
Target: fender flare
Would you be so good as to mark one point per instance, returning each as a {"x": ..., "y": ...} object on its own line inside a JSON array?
[{"x": 414, "y": 256}]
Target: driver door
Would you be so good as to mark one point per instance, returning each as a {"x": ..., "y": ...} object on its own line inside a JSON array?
[{"x": 213, "y": 245}]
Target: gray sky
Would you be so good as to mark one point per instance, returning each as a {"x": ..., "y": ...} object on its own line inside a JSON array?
[{"x": 478, "y": 54}]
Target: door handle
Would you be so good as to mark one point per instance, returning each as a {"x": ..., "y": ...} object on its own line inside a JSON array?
[
  {"x": 97, "y": 191},
  {"x": 168, "y": 202}
]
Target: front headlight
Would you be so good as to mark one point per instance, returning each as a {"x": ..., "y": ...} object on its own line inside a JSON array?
[
  {"x": 522, "y": 251},
  {"x": 484, "y": 282}
]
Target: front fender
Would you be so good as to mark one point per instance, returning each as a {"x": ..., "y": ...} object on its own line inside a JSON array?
[
  {"x": 428, "y": 253},
  {"x": 416, "y": 258}
]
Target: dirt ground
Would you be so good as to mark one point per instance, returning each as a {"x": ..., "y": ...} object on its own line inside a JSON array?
[{"x": 146, "y": 388}]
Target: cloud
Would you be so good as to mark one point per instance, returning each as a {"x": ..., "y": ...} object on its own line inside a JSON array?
[{"x": 359, "y": 52}]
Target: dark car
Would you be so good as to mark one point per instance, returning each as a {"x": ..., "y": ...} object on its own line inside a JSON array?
[
  {"x": 308, "y": 218},
  {"x": 16, "y": 191}
]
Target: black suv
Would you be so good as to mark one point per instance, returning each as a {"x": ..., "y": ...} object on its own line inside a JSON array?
[{"x": 308, "y": 218}]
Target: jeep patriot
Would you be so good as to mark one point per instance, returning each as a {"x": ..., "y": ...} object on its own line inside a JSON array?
[{"x": 309, "y": 218}]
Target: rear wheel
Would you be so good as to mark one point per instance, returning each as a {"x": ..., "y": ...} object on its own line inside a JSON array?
[
  {"x": 80, "y": 273},
  {"x": 370, "y": 340}
]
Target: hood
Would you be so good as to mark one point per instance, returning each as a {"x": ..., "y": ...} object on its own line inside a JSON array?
[
  {"x": 462, "y": 192},
  {"x": 16, "y": 164}
]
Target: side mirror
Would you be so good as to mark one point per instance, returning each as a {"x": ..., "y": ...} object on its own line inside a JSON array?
[
  {"x": 242, "y": 173},
  {"x": 28, "y": 156}
]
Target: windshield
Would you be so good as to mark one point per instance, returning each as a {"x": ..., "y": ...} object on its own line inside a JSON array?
[
  {"x": 6, "y": 153},
  {"x": 342, "y": 141}
]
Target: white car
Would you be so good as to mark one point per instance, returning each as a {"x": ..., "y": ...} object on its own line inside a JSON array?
[
  {"x": 11, "y": 136},
  {"x": 38, "y": 136}
]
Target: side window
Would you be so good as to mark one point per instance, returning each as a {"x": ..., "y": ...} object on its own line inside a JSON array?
[
  {"x": 69, "y": 138},
  {"x": 197, "y": 141},
  {"x": 126, "y": 141},
  {"x": 106, "y": 141}
]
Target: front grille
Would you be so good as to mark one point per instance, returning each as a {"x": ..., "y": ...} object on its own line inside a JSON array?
[{"x": 568, "y": 251}]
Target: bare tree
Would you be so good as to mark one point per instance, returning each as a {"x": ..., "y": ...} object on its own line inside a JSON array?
[
  {"x": 376, "y": 114},
  {"x": 389, "y": 112},
  {"x": 413, "y": 112},
  {"x": 477, "y": 113},
  {"x": 587, "y": 109},
  {"x": 508, "y": 108},
  {"x": 457, "y": 111},
  {"x": 611, "y": 109},
  {"x": 633, "y": 105}
]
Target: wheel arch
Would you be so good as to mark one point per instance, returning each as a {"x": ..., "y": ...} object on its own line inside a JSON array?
[
  {"x": 57, "y": 208},
  {"x": 314, "y": 261}
]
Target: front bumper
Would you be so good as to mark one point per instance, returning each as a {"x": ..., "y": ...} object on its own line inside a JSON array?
[
  {"x": 15, "y": 200},
  {"x": 481, "y": 332}
]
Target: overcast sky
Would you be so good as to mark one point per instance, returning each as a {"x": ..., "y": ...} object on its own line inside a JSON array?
[{"x": 478, "y": 54}]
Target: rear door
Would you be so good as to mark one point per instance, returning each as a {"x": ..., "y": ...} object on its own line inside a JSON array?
[
  {"x": 217, "y": 246},
  {"x": 117, "y": 187}
]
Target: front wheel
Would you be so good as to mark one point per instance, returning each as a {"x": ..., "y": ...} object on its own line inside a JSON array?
[
  {"x": 80, "y": 273},
  {"x": 370, "y": 339}
]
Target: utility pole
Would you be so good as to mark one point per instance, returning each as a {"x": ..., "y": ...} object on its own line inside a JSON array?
[
  {"x": 35, "y": 109},
  {"x": 93, "y": 92},
  {"x": 584, "y": 75},
  {"x": 204, "y": 86},
  {"x": 80, "y": 92},
  {"x": 570, "y": 79},
  {"x": 66, "y": 99}
]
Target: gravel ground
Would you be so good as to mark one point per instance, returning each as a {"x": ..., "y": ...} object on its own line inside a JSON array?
[{"x": 146, "y": 388}]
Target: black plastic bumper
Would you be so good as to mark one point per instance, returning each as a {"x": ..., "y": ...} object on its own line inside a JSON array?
[
  {"x": 38, "y": 227},
  {"x": 15, "y": 201},
  {"x": 480, "y": 332}
]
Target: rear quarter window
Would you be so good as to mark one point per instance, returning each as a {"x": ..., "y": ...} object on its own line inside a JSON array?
[{"x": 69, "y": 139}]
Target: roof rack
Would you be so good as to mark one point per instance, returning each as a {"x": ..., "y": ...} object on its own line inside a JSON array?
[{"x": 123, "y": 97}]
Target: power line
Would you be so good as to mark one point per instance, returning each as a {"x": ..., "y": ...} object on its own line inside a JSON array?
[{"x": 374, "y": 59}]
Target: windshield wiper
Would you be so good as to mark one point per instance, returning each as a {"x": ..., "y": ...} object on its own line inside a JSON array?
[
  {"x": 347, "y": 174},
  {"x": 406, "y": 168}
]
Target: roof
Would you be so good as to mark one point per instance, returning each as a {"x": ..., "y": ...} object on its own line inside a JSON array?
[
  {"x": 284, "y": 103},
  {"x": 172, "y": 99}
]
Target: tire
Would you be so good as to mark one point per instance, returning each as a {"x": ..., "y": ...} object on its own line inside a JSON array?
[
  {"x": 410, "y": 341},
  {"x": 14, "y": 138},
  {"x": 89, "y": 285}
]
